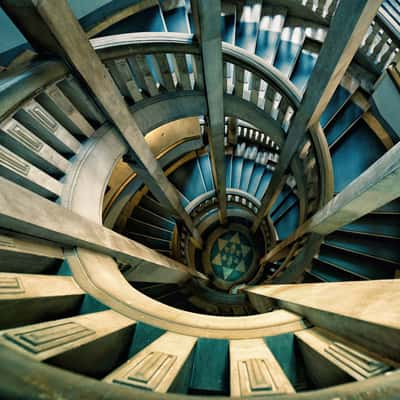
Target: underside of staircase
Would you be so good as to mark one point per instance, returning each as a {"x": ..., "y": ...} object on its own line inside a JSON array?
[{"x": 200, "y": 199}]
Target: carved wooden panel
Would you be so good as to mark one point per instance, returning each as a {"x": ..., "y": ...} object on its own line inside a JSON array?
[
  {"x": 7, "y": 241},
  {"x": 149, "y": 371},
  {"x": 356, "y": 361},
  {"x": 37, "y": 340},
  {"x": 13, "y": 162},
  {"x": 60, "y": 100},
  {"x": 23, "y": 135},
  {"x": 42, "y": 116},
  {"x": 10, "y": 285},
  {"x": 255, "y": 377}
]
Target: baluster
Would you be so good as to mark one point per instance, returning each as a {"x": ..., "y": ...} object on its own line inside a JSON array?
[
  {"x": 270, "y": 96},
  {"x": 379, "y": 46},
  {"x": 233, "y": 130},
  {"x": 366, "y": 36},
  {"x": 239, "y": 81},
  {"x": 145, "y": 74},
  {"x": 251, "y": 134},
  {"x": 239, "y": 131},
  {"x": 256, "y": 136},
  {"x": 182, "y": 71},
  {"x": 283, "y": 109},
  {"x": 289, "y": 116},
  {"x": 115, "y": 74},
  {"x": 126, "y": 75},
  {"x": 387, "y": 55},
  {"x": 198, "y": 72},
  {"x": 371, "y": 37},
  {"x": 162, "y": 67},
  {"x": 254, "y": 89},
  {"x": 227, "y": 77},
  {"x": 321, "y": 7},
  {"x": 331, "y": 6}
]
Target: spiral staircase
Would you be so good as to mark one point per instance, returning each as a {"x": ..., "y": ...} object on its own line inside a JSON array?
[{"x": 199, "y": 199}]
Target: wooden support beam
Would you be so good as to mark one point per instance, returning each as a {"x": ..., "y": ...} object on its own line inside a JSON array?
[
  {"x": 375, "y": 187},
  {"x": 207, "y": 17},
  {"x": 371, "y": 120},
  {"x": 383, "y": 135},
  {"x": 25, "y": 212},
  {"x": 372, "y": 320},
  {"x": 301, "y": 263},
  {"x": 232, "y": 130},
  {"x": 51, "y": 27},
  {"x": 282, "y": 248},
  {"x": 394, "y": 72},
  {"x": 346, "y": 32}
]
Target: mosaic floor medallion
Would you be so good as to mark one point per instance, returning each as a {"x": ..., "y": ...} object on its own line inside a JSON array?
[{"x": 231, "y": 256}]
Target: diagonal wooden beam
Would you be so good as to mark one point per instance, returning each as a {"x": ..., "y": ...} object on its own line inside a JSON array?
[
  {"x": 51, "y": 28},
  {"x": 347, "y": 30},
  {"x": 379, "y": 130},
  {"x": 207, "y": 23},
  {"x": 375, "y": 187},
  {"x": 25, "y": 212}
]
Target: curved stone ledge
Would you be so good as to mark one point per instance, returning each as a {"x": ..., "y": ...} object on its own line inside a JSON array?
[
  {"x": 99, "y": 276},
  {"x": 90, "y": 172}
]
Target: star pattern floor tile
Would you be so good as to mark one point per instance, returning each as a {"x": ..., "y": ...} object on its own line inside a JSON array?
[{"x": 231, "y": 256}]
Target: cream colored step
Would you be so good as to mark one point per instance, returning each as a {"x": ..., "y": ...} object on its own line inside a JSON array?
[
  {"x": 20, "y": 171},
  {"x": 22, "y": 254},
  {"x": 24, "y": 143},
  {"x": 37, "y": 119},
  {"x": 58, "y": 104},
  {"x": 254, "y": 371},
  {"x": 28, "y": 298},
  {"x": 91, "y": 344},
  {"x": 156, "y": 367},
  {"x": 323, "y": 352}
]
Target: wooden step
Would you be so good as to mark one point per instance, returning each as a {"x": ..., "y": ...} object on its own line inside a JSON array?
[
  {"x": 254, "y": 371},
  {"x": 23, "y": 173},
  {"x": 90, "y": 344},
  {"x": 54, "y": 100},
  {"x": 22, "y": 254},
  {"x": 158, "y": 366},
  {"x": 24, "y": 143},
  {"x": 26, "y": 298},
  {"x": 332, "y": 360},
  {"x": 43, "y": 124}
]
